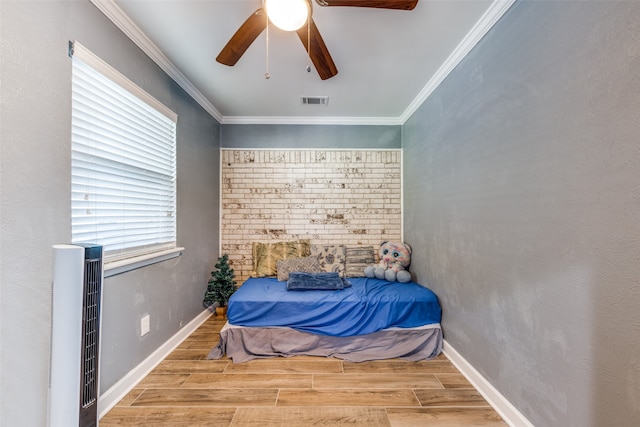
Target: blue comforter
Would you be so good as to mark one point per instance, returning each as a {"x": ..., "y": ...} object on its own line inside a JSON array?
[{"x": 369, "y": 305}]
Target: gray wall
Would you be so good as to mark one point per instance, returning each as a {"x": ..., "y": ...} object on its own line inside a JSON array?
[
  {"x": 311, "y": 136},
  {"x": 522, "y": 203},
  {"x": 35, "y": 203}
]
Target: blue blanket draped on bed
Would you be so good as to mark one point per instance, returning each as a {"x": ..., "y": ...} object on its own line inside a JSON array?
[
  {"x": 369, "y": 305},
  {"x": 299, "y": 281}
]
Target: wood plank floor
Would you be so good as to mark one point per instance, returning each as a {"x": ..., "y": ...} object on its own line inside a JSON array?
[{"x": 186, "y": 389}]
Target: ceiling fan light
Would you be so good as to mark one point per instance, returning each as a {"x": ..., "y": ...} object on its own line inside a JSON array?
[{"x": 288, "y": 15}]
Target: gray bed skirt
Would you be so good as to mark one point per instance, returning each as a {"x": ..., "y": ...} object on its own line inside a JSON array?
[{"x": 242, "y": 344}]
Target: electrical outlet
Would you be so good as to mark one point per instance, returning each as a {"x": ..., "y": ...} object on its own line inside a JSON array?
[{"x": 145, "y": 325}]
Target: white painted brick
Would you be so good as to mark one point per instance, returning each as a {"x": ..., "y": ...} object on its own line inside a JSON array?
[{"x": 328, "y": 196}]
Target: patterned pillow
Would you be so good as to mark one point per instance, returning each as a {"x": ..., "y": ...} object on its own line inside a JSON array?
[
  {"x": 305, "y": 265},
  {"x": 266, "y": 255},
  {"x": 359, "y": 257},
  {"x": 331, "y": 257}
]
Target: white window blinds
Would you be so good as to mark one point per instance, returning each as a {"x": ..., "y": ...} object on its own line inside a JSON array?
[{"x": 123, "y": 166}]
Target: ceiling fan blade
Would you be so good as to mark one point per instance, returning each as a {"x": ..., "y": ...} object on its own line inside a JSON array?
[
  {"x": 381, "y": 4},
  {"x": 318, "y": 52},
  {"x": 242, "y": 39}
]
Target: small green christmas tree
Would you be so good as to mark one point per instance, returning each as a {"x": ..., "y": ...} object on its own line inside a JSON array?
[{"x": 221, "y": 285}]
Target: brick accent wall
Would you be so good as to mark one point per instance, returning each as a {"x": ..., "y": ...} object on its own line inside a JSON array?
[{"x": 328, "y": 196}]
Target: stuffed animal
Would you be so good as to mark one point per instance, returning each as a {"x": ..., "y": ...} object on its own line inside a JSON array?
[{"x": 395, "y": 258}]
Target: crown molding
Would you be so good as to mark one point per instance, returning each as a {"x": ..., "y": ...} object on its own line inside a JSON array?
[
  {"x": 301, "y": 120},
  {"x": 131, "y": 30},
  {"x": 482, "y": 27}
]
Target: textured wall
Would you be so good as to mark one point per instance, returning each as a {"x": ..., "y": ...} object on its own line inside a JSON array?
[
  {"x": 327, "y": 196},
  {"x": 522, "y": 203},
  {"x": 35, "y": 134}
]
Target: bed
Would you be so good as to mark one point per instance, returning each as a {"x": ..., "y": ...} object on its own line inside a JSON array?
[{"x": 368, "y": 320}]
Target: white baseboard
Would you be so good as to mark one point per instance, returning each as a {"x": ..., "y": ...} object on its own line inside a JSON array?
[
  {"x": 111, "y": 397},
  {"x": 507, "y": 411}
]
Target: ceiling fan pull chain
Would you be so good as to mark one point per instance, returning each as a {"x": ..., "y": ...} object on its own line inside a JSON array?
[
  {"x": 309, "y": 44},
  {"x": 267, "y": 75}
]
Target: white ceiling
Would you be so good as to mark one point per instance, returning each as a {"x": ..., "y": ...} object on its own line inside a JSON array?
[{"x": 388, "y": 60}]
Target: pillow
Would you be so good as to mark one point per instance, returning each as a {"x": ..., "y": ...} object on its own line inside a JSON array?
[
  {"x": 357, "y": 258},
  {"x": 266, "y": 255},
  {"x": 304, "y": 265},
  {"x": 331, "y": 257},
  {"x": 299, "y": 281}
]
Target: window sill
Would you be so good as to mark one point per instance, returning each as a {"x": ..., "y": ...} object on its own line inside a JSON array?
[{"x": 124, "y": 265}]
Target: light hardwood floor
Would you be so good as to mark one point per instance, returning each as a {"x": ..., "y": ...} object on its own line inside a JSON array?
[{"x": 186, "y": 389}]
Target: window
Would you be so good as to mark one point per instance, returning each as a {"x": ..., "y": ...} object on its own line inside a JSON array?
[{"x": 123, "y": 165}]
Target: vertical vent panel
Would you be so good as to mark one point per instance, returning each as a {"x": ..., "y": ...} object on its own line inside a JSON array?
[{"x": 91, "y": 317}]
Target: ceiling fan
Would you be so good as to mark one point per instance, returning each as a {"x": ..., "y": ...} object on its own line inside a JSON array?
[{"x": 307, "y": 32}]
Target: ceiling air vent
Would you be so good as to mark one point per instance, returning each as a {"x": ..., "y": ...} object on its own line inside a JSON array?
[{"x": 315, "y": 100}]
